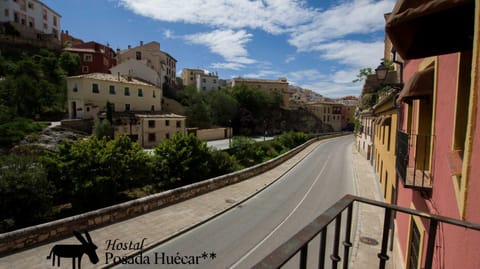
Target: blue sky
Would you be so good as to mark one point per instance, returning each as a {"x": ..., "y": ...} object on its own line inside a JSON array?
[{"x": 318, "y": 45}]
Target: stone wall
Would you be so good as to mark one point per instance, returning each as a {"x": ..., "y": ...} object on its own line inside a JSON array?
[{"x": 55, "y": 230}]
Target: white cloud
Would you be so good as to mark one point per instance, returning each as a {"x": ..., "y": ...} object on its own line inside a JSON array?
[
  {"x": 289, "y": 59},
  {"x": 168, "y": 33},
  {"x": 333, "y": 90},
  {"x": 352, "y": 53},
  {"x": 273, "y": 16},
  {"x": 229, "y": 44},
  {"x": 351, "y": 17}
]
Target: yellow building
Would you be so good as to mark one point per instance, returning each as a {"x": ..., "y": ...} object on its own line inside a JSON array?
[
  {"x": 148, "y": 128},
  {"x": 328, "y": 112},
  {"x": 384, "y": 141},
  {"x": 88, "y": 95},
  {"x": 280, "y": 85},
  {"x": 189, "y": 76}
]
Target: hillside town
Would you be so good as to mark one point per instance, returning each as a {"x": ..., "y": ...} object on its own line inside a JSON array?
[{"x": 132, "y": 144}]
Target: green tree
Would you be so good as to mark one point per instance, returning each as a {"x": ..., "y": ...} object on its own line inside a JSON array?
[
  {"x": 94, "y": 172},
  {"x": 362, "y": 74},
  {"x": 181, "y": 160},
  {"x": 102, "y": 128},
  {"x": 69, "y": 62},
  {"x": 26, "y": 193},
  {"x": 224, "y": 107}
]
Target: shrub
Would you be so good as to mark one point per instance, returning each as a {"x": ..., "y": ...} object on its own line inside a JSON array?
[{"x": 26, "y": 193}]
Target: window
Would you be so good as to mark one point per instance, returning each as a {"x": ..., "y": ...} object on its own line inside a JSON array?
[
  {"x": 154, "y": 94},
  {"x": 214, "y": 81},
  {"x": 152, "y": 108},
  {"x": 179, "y": 124},
  {"x": 167, "y": 136},
  {"x": 414, "y": 246},
  {"x": 6, "y": 12},
  {"x": 54, "y": 21},
  {"x": 167, "y": 123},
  {"x": 138, "y": 55},
  {"x": 127, "y": 107},
  {"x": 152, "y": 137},
  {"x": 140, "y": 92},
  {"x": 75, "y": 87},
  {"x": 204, "y": 80},
  {"x": 45, "y": 26},
  {"x": 45, "y": 16},
  {"x": 127, "y": 91},
  {"x": 85, "y": 69},
  {"x": 112, "y": 89},
  {"x": 151, "y": 124},
  {"x": 87, "y": 58},
  {"x": 30, "y": 5},
  {"x": 95, "y": 88},
  {"x": 31, "y": 22}
]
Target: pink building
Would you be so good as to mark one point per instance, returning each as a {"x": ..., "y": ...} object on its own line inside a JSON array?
[{"x": 438, "y": 148}]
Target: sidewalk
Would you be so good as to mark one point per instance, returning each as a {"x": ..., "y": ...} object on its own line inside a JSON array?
[
  {"x": 160, "y": 225},
  {"x": 370, "y": 218}
]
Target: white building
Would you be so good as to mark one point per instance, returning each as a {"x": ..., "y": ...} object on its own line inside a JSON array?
[
  {"x": 32, "y": 18},
  {"x": 207, "y": 82},
  {"x": 150, "y": 55}
]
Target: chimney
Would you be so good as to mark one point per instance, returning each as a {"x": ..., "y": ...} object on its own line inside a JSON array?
[{"x": 141, "y": 43}]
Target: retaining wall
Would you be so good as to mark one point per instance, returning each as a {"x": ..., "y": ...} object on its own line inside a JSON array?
[{"x": 55, "y": 230}]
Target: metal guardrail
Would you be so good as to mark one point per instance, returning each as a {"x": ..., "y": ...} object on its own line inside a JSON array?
[{"x": 299, "y": 242}]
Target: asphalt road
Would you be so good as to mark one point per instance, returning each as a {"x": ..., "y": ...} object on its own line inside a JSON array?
[{"x": 242, "y": 236}]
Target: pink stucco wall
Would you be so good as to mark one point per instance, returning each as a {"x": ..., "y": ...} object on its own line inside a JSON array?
[{"x": 456, "y": 247}]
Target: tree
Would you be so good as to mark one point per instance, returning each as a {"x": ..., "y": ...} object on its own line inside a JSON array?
[
  {"x": 26, "y": 193},
  {"x": 224, "y": 107},
  {"x": 102, "y": 128},
  {"x": 69, "y": 62},
  {"x": 181, "y": 160},
  {"x": 92, "y": 173}
]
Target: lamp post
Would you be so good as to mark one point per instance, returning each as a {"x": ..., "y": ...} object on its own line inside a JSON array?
[{"x": 382, "y": 72}]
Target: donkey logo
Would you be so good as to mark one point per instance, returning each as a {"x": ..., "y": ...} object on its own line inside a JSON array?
[{"x": 75, "y": 251}]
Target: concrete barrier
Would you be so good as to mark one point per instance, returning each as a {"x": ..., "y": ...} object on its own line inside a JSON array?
[{"x": 58, "y": 229}]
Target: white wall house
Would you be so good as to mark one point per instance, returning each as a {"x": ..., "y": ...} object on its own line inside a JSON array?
[
  {"x": 31, "y": 18},
  {"x": 207, "y": 82},
  {"x": 138, "y": 69}
]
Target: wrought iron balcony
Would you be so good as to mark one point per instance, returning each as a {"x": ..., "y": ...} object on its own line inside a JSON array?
[
  {"x": 298, "y": 245},
  {"x": 413, "y": 160}
]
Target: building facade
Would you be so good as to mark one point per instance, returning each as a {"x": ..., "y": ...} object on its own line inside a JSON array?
[
  {"x": 32, "y": 19},
  {"x": 207, "y": 82},
  {"x": 88, "y": 95},
  {"x": 94, "y": 57},
  {"x": 161, "y": 62},
  {"x": 328, "y": 112},
  {"x": 438, "y": 141},
  {"x": 189, "y": 76},
  {"x": 148, "y": 128}
]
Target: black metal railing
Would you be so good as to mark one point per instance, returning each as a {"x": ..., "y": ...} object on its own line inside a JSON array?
[
  {"x": 299, "y": 243},
  {"x": 415, "y": 173}
]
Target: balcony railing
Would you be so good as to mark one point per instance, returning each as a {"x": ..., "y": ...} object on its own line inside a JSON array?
[
  {"x": 299, "y": 244},
  {"x": 414, "y": 173}
]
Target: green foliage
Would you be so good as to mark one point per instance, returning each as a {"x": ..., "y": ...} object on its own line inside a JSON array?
[
  {"x": 362, "y": 74},
  {"x": 32, "y": 85},
  {"x": 15, "y": 130},
  {"x": 224, "y": 107},
  {"x": 26, "y": 193},
  {"x": 69, "y": 62},
  {"x": 93, "y": 172},
  {"x": 222, "y": 163},
  {"x": 103, "y": 128},
  {"x": 182, "y": 160},
  {"x": 358, "y": 126}
]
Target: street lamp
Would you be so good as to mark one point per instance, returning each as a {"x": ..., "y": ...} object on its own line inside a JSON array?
[{"x": 382, "y": 72}]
